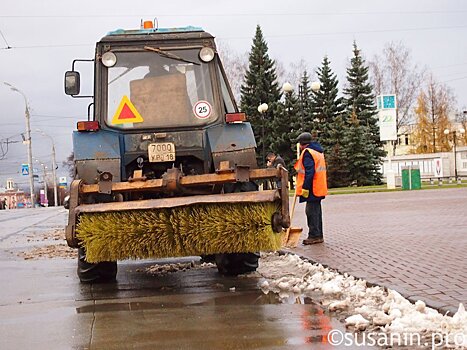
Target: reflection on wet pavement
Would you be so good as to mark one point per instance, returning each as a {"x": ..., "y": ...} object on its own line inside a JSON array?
[{"x": 196, "y": 309}]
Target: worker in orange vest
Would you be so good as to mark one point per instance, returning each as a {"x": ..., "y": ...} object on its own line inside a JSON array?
[{"x": 311, "y": 184}]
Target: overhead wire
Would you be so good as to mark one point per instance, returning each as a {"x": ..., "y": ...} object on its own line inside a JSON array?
[
  {"x": 6, "y": 42},
  {"x": 352, "y": 32},
  {"x": 45, "y": 46},
  {"x": 4, "y": 151},
  {"x": 292, "y": 35},
  {"x": 251, "y": 14},
  {"x": 55, "y": 116},
  {"x": 450, "y": 65},
  {"x": 461, "y": 78}
]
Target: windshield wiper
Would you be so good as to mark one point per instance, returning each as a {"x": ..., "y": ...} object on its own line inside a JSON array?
[
  {"x": 169, "y": 55},
  {"x": 120, "y": 75}
]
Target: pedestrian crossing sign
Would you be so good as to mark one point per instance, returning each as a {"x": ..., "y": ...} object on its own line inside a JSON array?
[{"x": 24, "y": 169}]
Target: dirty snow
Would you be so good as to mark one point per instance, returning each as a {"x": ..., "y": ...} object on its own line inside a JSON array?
[
  {"x": 365, "y": 308},
  {"x": 47, "y": 245},
  {"x": 163, "y": 269}
]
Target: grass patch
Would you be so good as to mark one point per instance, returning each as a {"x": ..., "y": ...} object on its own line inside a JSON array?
[{"x": 383, "y": 188}]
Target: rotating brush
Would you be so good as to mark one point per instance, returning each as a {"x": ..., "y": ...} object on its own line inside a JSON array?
[{"x": 180, "y": 231}]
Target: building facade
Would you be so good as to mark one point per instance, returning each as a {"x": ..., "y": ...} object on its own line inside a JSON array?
[
  {"x": 13, "y": 197},
  {"x": 432, "y": 165}
]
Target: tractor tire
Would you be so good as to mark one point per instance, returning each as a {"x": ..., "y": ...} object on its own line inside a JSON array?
[
  {"x": 102, "y": 272},
  {"x": 210, "y": 258},
  {"x": 236, "y": 263}
]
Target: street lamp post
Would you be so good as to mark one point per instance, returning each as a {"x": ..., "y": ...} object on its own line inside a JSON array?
[
  {"x": 454, "y": 140},
  {"x": 287, "y": 88},
  {"x": 54, "y": 165},
  {"x": 262, "y": 109},
  {"x": 301, "y": 102},
  {"x": 28, "y": 140},
  {"x": 315, "y": 86}
]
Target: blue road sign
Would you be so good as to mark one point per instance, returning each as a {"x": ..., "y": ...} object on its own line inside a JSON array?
[{"x": 24, "y": 169}]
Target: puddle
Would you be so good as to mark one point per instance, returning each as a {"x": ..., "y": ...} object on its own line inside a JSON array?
[
  {"x": 246, "y": 319},
  {"x": 131, "y": 306},
  {"x": 245, "y": 298},
  {"x": 199, "y": 309}
]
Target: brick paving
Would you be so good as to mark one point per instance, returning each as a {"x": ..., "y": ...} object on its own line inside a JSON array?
[{"x": 412, "y": 241}]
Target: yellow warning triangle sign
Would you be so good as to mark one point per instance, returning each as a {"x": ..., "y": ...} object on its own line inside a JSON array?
[{"x": 126, "y": 113}]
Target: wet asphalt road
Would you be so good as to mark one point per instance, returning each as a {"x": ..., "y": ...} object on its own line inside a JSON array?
[{"x": 43, "y": 305}]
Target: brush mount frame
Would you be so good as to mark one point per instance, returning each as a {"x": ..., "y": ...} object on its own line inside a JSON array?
[{"x": 79, "y": 191}]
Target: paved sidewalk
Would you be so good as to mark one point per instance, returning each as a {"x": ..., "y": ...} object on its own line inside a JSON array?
[{"x": 412, "y": 241}]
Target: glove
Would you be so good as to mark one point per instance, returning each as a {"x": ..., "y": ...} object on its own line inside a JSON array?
[{"x": 305, "y": 193}]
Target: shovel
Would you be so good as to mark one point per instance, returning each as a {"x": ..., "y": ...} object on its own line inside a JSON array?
[{"x": 292, "y": 234}]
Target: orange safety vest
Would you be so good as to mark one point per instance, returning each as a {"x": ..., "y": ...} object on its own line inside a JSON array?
[{"x": 320, "y": 185}]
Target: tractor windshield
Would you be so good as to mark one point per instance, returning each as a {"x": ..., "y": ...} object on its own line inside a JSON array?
[{"x": 159, "y": 89}]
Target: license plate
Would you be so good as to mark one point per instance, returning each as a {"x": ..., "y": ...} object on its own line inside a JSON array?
[{"x": 161, "y": 152}]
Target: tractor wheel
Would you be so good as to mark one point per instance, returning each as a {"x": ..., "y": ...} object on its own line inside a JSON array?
[
  {"x": 236, "y": 263},
  {"x": 210, "y": 258},
  {"x": 105, "y": 271}
]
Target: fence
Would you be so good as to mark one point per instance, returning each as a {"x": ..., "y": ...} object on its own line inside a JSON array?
[{"x": 432, "y": 166}]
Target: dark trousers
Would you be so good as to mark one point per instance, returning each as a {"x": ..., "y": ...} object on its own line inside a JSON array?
[{"x": 314, "y": 218}]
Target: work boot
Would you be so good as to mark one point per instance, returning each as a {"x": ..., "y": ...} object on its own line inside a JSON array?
[{"x": 313, "y": 240}]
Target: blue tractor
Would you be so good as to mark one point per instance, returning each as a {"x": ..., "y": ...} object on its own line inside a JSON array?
[{"x": 163, "y": 132}]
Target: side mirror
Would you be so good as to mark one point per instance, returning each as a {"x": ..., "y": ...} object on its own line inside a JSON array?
[{"x": 72, "y": 83}]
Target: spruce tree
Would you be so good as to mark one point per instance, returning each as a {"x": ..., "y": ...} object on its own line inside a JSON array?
[
  {"x": 360, "y": 104},
  {"x": 284, "y": 134},
  {"x": 260, "y": 86},
  {"x": 304, "y": 104},
  {"x": 361, "y": 166},
  {"x": 293, "y": 107},
  {"x": 336, "y": 157},
  {"x": 325, "y": 105}
]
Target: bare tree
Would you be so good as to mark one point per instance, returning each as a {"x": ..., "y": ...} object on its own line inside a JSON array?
[
  {"x": 235, "y": 66},
  {"x": 69, "y": 164},
  {"x": 295, "y": 72},
  {"x": 394, "y": 73}
]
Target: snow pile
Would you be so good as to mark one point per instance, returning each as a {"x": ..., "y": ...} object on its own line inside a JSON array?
[{"x": 366, "y": 308}]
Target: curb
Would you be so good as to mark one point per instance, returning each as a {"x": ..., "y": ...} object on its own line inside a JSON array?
[{"x": 440, "y": 307}]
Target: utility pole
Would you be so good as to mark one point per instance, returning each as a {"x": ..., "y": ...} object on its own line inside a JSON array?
[
  {"x": 54, "y": 165},
  {"x": 28, "y": 141},
  {"x": 54, "y": 174}
]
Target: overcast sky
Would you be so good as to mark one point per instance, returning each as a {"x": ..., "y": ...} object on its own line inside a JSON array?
[{"x": 45, "y": 36}]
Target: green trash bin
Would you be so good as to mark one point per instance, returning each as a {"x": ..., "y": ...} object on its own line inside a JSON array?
[{"x": 411, "y": 179}]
